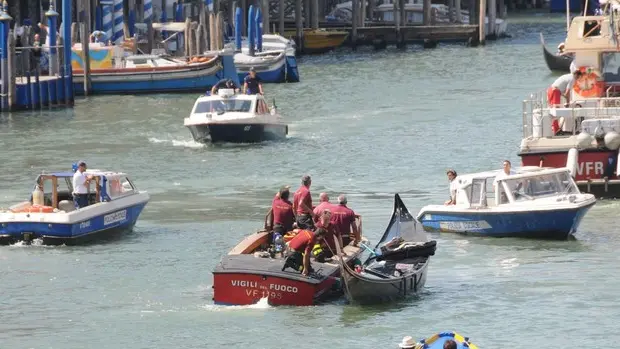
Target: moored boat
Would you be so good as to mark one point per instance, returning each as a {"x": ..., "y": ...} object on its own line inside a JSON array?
[
  {"x": 317, "y": 41},
  {"x": 249, "y": 273},
  {"x": 235, "y": 118},
  {"x": 50, "y": 215},
  {"x": 559, "y": 63},
  {"x": 115, "y": 71},
  {"x": 534, "y": 202},
  {"x": 397, "y": 267},
  {"x": 437, "y": 341},
  {"x": 590, "y": 123}
]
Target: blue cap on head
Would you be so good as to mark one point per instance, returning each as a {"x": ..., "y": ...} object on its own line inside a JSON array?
[{"x": 74, "y": 166}]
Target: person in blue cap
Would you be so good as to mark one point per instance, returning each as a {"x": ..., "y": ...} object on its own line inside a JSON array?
[
  {"x": 252, "y": 84},
  {"x": 80, "y": 186}
]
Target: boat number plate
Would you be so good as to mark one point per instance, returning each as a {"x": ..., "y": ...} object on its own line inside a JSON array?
[{"x": 247, "y": 128}]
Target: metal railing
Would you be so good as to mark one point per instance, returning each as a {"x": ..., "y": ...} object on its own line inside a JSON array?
[{"x": 537, "y": 114}]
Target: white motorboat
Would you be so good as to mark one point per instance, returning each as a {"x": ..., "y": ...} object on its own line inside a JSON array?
[{"x": 235, "y": 118}]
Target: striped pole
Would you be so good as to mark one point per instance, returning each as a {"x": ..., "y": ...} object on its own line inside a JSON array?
[
  {"x": 148, "y": 11},
  {"x": 117, "y": 35},
  {"x": 107, "y": 20}
]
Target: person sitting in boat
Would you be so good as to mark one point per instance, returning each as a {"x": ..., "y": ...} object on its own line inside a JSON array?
[
  {"x": 451, "y": 179},
  {"x": 252, "y": 84},
  {"x": 561, "y": 48},
  {"x": 343, "y": 221},
  {"x": 323, "y": 204},
  {"x": 561, "y": 87},
  {"x": 80, "y": 186},
  {"x": 300, "y": 248},
  {"x": 302, "y": 204},
  {"x": 506, "y": 171},
  {"x": 98, "y": 36},
  {"x": 224, "y": 83},
  {"x": 281, "y": 214}
]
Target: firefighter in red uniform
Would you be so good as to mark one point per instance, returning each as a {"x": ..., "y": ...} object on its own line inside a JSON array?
[
  {"x": 301, "y": 250},
  {"x": 281, "y": 213}
]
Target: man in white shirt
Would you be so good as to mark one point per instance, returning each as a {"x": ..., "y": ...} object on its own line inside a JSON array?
[
  {"x": 561, "y": 87},
  {"x": 80, "y": 186},
  {"x": 507, "y": 171},
  {"x": 453, "y": 187}
]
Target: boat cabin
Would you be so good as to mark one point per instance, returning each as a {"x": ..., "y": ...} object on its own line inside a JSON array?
[
  {"x": 57, "y": 189},
  {"x": 227, "y": 101},
  {"x": 481, "y": 190}
]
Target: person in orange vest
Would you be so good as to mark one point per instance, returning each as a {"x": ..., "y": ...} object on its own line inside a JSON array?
[{"x": 301, "y": 249}]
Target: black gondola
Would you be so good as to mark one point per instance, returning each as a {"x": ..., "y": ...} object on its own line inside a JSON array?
[
  {"x": 559, "y": 63},
  {"x": 398, "y": 265}
]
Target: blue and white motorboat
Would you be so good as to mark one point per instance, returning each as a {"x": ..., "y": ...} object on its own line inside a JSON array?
[
  {"x": 534, "y": 202},
  {"x": 275, "y": 63},
  {"x": 51, "y": 215}
]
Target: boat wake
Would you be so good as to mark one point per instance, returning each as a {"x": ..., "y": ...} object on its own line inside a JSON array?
[
  {"x": 263, "y": 303},
  {"x": 34, "y": 242},
  {"x": 178, "y": 143}
]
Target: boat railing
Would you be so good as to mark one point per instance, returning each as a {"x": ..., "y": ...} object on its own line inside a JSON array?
[{"x": 538, "y": 116}]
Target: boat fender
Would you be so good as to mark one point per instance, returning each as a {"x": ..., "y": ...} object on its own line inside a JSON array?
[
  {"x": 612, "y": 140},
  {"x": 584, "y": 140},
  {"x": 571, "y": 161}
]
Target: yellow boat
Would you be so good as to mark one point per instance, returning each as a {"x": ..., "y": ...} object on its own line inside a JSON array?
[{"x": 319, "y": 40}]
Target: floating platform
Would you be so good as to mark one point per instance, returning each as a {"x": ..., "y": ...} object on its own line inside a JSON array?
[
  {"x": 32, "y": 92},
  {"x": 383, "y": 35}
]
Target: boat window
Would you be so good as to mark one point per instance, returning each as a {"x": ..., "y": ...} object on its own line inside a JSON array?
[
  {"x": 611, "y": 66},
  {"x": 478, "y": 193},
  {"x": 233, "y": 105},
  {"x": 542, "y": 186},
  {"x": 119, "y": 186},
  {"x": 591, "y": 28}
]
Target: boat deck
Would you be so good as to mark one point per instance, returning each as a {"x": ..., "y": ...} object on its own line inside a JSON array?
[{"x": 251, "y": 264}]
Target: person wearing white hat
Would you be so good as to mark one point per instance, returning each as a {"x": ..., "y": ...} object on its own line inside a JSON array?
[{"x": 407, "y": 342}]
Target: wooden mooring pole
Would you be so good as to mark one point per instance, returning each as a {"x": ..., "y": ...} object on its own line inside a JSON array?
[
  {"x": 85, "y": 25},
  {"x": 481, "y": 19},
  {"x": 355, "y": 12},
  {"x": 492, "y": 8},
  {"x": 299, "y": 29}
]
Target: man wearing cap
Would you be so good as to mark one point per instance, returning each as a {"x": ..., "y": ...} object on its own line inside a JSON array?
[
  {"x": 281, "y": 214},
  {"x": 252, "y": 84},
  {"x": 224, "y": 83},
  {"x": 80, "y": 186},
  {"x": 302, "y": 204},
  {"x": 343, "y": 220}
]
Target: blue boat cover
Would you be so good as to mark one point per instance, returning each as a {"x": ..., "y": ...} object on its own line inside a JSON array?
[{"x": 437, "y": 340}]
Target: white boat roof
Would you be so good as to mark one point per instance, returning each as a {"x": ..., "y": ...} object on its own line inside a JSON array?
[
  {"x": 525, "y": 171},
  {"x": 238, "y": 96},
  {"x": 93, "y": 172}
]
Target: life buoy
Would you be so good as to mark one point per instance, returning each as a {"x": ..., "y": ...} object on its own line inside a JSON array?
[
  {"x": 590, "y": 83},
  {"x": 35, "y": 209}
]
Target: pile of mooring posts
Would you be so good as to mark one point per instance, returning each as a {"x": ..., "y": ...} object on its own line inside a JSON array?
[
  {"x": 255, "y": 29},
  {"x": 25, "y": 82}
]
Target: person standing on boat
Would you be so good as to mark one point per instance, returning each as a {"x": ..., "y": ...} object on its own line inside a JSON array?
[
  {"x": 281, "y": 213},
  {"x": 506, "y": 171},
  {"x": 80, "y": 186},
  {"x": 453, "y": 188},
  {"x": 300, "y": 248},
  {"x": 224, "y": 83},
  {"x": 343, "y": 221},
  {"x": 325, "y": 223},
  {"x": 561, "y": 87},
  {"x": 252, "y": 84},
  {"x": 98, "y": 36},
  {"x": 323, "y": 204},
  {"x": 302, "y": 204}
]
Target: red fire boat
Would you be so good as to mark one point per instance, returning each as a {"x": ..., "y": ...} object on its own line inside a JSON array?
[{"x": 247, "y": 274}]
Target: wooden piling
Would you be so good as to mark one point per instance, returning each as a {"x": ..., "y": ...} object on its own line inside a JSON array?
[
  {"x": 306, "y": 13},
  {"x": 481, "y": 27},
  {"x": 355, "y": 12},
  {"x": 315, "y": 14},
  {"x": 362, "y": 16},
  {"x": 492, "y": 8},
  {"x": 219, "y": 30},
  {"x": 244, "y": 10},
  {"x": 371, "y": 11},
  {"x": 403, "y": 13},
  {"x": 12, "y": 69},
  {"x": 212, "y": 32},
  {"x": 74, "y": 33},
  {"x": 203, "y": 26},
  {"x": 457, "y": 11},
  {"x": 199, "y": 40},
  {"x": 299, "y": 29},
  {"x": 265, "y": 13},
  {"x": 501, "y": 8},
  {"x": 451, "y": 12},
  {"x": 396, "y": 17},
  {"x": 86, "y": 46},
  {"x": 232, "y": 7},
  {"x": 188, "y": 38},
  {"x": 473, "y": 18},
  {"x": 281, "y": 17},
  {"x": 427, "y": 12}
]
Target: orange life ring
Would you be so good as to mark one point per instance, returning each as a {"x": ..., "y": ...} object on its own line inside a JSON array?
[
  {"x": 590, "y": 83},
  {"x": 35, "y": 209}
]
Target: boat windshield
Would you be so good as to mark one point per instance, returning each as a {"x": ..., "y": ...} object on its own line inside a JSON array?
[
  {"x": 542, "y": 186},
  {"x": 223, "y": 106}
]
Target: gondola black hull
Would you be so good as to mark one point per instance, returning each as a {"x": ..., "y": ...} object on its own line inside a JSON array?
[{"x": 556, "y": 63}]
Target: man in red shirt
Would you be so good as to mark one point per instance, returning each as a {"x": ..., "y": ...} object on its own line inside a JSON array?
[
  {"x": 302, "y": 204},
  {"x": 301, "y": 250},
  {"x": 281, "y": 214},
  {"x": 343, "y": 220},
  {"x": 323, "y": 204}
]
